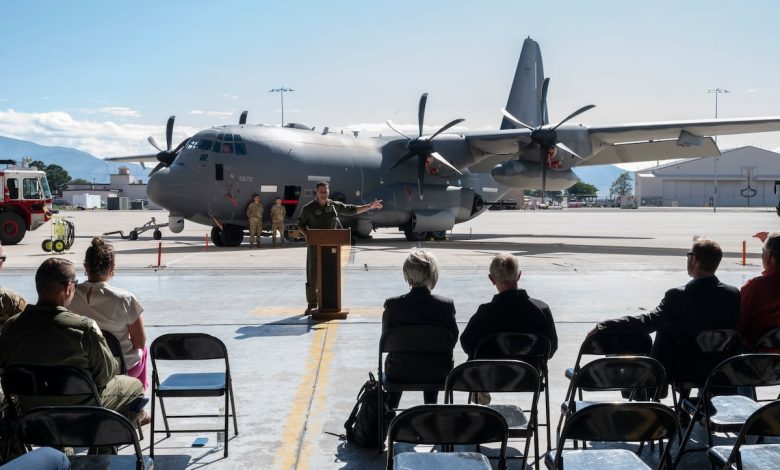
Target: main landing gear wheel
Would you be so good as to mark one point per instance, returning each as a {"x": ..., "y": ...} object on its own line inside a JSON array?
[
  {"x": 413, "y": 236},
  {"x": 216, "y": 236},
  {"x": 439, "y": 235},
  {"x": 157, "y": 235},
  {"x": 232, "y": 235},
  {"x": 12, "y": 228}
]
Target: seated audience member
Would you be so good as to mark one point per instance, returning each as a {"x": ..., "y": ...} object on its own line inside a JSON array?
[
  {"x": 48, "y": 334},
  {"x": 419, "y": 307},
  {"x": 510, "y": 311},
  {"x": 704, "y": 303},
  {"x": 42, "y": 458},
  {"x": 760, "y": 297},
  {"x": 113, "y": 309},
  {"x": 11, "y": 303}
]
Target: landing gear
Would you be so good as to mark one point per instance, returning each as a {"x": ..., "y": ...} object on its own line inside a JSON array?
[
  {"x": 439, "y": 235},
  {"x": 216, "y": 236},
  {"x": 12, "y": 228},
  {"x": 232, "y": 235},
  {"x": 413, "y": 236}
]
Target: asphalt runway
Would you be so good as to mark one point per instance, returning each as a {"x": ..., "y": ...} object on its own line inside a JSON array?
[{"x": 295, "y": 380}]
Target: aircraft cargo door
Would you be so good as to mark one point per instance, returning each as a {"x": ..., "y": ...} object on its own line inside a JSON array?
[{"x": 290, "y": 199}]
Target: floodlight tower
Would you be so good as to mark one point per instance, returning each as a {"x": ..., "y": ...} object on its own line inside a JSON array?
[
  {"x": 281, "y": 94},
  {"x": 716, "y": 92}
]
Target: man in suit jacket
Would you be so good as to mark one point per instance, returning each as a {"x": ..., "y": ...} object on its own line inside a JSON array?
[
  {"x": 510, "y": 311},
  {"x": 419, "y": 307},
  {"x": 704, "y": 303}
]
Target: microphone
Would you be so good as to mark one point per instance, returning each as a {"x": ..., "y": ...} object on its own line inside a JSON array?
[{"x": 337, "y": 217}]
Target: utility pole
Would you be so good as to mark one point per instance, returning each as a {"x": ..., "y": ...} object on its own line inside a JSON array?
[
  {"x": 716, "y": 92},
  {"x": 281, "y": 94}
]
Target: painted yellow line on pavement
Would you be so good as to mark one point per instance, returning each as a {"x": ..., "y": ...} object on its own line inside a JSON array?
[
  {"x": 287, "y": 456},
  {"x": 317, "y": 413}
]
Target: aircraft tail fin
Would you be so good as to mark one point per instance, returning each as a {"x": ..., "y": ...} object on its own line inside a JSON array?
[{"x": 526, "y": 101}]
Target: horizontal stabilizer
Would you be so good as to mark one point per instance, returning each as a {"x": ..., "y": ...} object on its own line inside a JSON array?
[{"x": 651, "y": 151}]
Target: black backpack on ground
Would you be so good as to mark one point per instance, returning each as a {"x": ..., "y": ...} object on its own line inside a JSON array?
[{"x": 361, "y": 426}]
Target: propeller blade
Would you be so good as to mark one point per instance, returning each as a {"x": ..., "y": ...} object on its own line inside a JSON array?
[
  {"x": 563, "y": 146},
  {"x": 421, "y": 112},
  {"x": 159, "y": 167},
  {"x": 390, "y": 125},
  {"x": 154, "y": 144},
  {"x": 574, "y": 114},
  {"x": 169, "y": 131},
  {"x": 446, "y": 126},
  {"x": 182, "y": 144},
  {"x": 420, "y": 173},
  {"x": 515, "y": 120},
  {"x": 242, "y": 119},
  {"x": 543, "y": 162},
  {"x": 545, "y": 86},
  {"x": 403, "y": 159},
  {"x": 444, "y": 162}
]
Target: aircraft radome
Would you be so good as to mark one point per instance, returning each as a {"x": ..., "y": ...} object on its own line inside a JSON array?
[{"x": 428, "y": 183}]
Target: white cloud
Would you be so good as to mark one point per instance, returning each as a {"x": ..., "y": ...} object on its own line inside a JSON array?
[
  {"x": 100, "y": 138},
  {"x": 119, "y": 111},
  {"x": 219, "y": 114},
  {"x": 229, "y": 96}
]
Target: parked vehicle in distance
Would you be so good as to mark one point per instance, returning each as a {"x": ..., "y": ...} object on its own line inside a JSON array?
[
  {"x": 61, "y": 202},
  {"x": 506, "y": 204}
]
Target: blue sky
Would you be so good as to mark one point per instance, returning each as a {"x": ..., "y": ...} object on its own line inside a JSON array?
[{"x": 101, "y": 76}]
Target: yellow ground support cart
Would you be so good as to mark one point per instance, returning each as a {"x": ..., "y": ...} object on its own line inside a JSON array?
[{"x": 63, "y": 233}]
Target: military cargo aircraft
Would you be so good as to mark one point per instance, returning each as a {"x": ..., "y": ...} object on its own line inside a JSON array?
[{"x": 428, "y": 182}]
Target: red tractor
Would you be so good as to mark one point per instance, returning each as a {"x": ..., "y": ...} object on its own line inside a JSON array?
[{"x": 26, "y": 203}]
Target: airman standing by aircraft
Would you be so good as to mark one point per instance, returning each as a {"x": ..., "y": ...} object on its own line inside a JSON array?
[
  {"x": 254, "y": 212},
  {"x": 323, "y": 213},
  {"x": 277, "y": 220}
]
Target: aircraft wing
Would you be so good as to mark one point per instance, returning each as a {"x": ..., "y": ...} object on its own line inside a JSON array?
[{"x": 133, "y": 158}]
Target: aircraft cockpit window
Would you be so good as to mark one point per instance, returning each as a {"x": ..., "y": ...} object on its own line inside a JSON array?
[
  {"x": 217, "y": 146},
  {"x": 204, "y": 144},
  {"x": 227, "y": 148},
  {"x": 240, "y": 148},
  {"x": 221, "y": 137},
  {"x": 229, "y": 137},
  {"x": 237, "y": 138}
]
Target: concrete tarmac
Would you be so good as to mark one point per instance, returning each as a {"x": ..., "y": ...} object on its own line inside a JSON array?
[{"x": 296, "y": 380}]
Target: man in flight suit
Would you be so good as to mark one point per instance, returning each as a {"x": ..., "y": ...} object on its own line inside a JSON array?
[
  {"x": 254, "y": 212},
  {"x": 277, "y": 220},
  {"x": 322, "y": 213},
  {"x": 48, "y": 334}
]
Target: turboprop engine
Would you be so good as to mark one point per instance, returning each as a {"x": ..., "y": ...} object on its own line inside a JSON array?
[{"x": 528, "y": 175}]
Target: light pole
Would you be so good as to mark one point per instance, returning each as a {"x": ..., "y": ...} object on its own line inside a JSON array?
[
  {"x": 281, "y": 94},
  {"x": 716, "y": 92}
]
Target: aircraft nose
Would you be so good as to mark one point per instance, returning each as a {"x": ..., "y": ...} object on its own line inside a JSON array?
[{"x": 172, "y": 190}]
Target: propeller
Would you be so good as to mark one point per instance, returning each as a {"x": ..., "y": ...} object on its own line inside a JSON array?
[
  {"x": 166, "y": 156},
  {"x": 421, "y": 146},
  {"x": 545, "y": 136},
  {"x": 242, "y": 119}
]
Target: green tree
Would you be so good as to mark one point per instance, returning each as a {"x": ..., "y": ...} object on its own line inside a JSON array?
[
  {"x": 78, "y": 181},
  {"x": 622, "y": 185},
  {"x": 583, "y": 189},
  {"x": 58, "y": 177}
]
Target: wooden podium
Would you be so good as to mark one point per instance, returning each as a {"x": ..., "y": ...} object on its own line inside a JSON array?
[{"x": 328, "y": 244}]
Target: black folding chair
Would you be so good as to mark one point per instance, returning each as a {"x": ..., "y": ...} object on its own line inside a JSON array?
[
  {"x": 728, "y": 413},
  {"x": 614, "y": 422},
  {"x": 695, "y": 357},
  {"x": 82, "y": 426},
  {"x": 764, "y": 422},
  {"x": 502, "y": 376},
  {"x": 116, "y": 351},
  {"x": 641, "y": 376},
  {"x": 422, "y": 340},
  {"x": 446, "y": 425},
  {"x": 527, "y": 347},
  {"x": 769, "y": 341},
  {"x": 191, "y": 347}
]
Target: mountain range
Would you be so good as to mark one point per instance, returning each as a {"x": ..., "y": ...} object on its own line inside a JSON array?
[{"x": 81, "y": 164}]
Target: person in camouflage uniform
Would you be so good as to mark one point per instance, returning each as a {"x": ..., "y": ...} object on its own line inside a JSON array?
[
  {"x": 254, "y": 212},
  {"x": 322, "y": 213},
  {"x": 11, "y": 303},
  {"x": 278, "y": 213}
]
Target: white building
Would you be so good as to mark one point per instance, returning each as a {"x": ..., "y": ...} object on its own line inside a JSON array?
[
  {"x": 122, "y": 184},
  {"x": 746, "y": 176}
]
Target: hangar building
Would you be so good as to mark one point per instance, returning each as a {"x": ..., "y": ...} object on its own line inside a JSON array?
[{"x": 746, "y": 176}]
